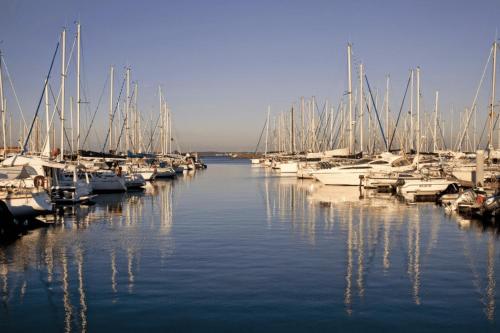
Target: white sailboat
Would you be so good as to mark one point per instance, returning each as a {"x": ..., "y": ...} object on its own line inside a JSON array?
[{"x": 22, "y": 194}]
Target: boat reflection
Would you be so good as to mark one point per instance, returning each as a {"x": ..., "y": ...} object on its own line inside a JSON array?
[
  {"x": 63, "y": 253},
  {"x": 372, "y": 227}
]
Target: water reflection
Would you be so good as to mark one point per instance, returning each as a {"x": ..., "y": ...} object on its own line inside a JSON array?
[
  {"x": 64, "y": 252},
  {"x": 375, "y": 225},
  {"x": 347, "y": 257}
]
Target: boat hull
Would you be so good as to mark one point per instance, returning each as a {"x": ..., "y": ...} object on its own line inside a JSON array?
[{"x": 28, "y": 204}]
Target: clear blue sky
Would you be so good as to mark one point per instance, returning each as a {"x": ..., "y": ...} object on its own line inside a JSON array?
[{"x": 222, "y": 62}]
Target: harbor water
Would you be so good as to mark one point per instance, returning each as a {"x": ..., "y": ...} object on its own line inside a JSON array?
[{"x": 239, "y": 248}]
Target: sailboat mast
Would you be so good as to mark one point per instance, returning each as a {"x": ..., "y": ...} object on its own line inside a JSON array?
[
  {"x": 47, "y": 117},
  {"x": 111, "y": 87},
  {"x": 71, "y": 122},
  {"x": 63, "y": 83},
  {"x": 267, "y": 127},
  {"x": 136, "y": 122},
  {"x": 169, "y": 114},
  {"x": 127, "y": 123},
  {"x": 302, "y": 141},
  {"x": 313, "y": 125},
  {"x": 349, "y": 93},
  {"x": 436, "y": 121},
  {"x": 78, "y": 97},
  {"x": 412, "y": 135},
  {"x": 292, "y": 132},
  {"x": 418, "y": 115},
  {"x": 2, "y": 108},
  {"x": 387, "y": 108},
  {"x": 492, "y": 103},
  {"x": 162, "y": 116},
  {"x": 360, "y": 108}
]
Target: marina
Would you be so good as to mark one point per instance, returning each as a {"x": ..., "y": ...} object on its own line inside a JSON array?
[
  {"x": 232, "y": 166},
  {"x": 280, "y": 254}
]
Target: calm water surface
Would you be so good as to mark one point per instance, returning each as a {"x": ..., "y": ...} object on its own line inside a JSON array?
[{"x": 236, "y": 248}]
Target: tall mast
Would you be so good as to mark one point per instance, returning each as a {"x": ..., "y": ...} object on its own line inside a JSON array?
[
  {"x": 436, "y": 121},
  {"x": 47, "y": 118},
  {"x": 10, "y": 129},
  {"x": 418, "y": 115},
  {"x": 162, "y": 120},
  {"x": 492, "y": 103},
  {"x": 330, "y": 142},
  {"x": 326, "y": 112},
  {"x": 2, "y": 108},
  {"x": 165, "y": 125},
  {"x": 302, "y": 141},
  {"x": 360, "y": 108},
  {"x": 127, "y": 123},
  {"x": 412, "y": 136},
  {"x": 451, "y": 128},
  {"x": 349, "y": 92},
  {"x": 292, "y": 132},
  {"x": 78, "y": 97},
  {"x": 71, "y": 122},
  {"x": 169, "y": 114},
  {"x": 63, "y": 83},
  {"x": 313, "y": 124},
  {"x": 111, "y": 87},
  {"x": 387, "y": 109},
  {"x": 136, "y": 122},
  {"x": 267, "y": 126}
]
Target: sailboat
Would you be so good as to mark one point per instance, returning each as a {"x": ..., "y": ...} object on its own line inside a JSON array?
[{"x": 22, "y": 194}]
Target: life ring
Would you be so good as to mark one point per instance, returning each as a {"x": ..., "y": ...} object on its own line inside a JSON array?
[
  {"x": 39, "y": 181},
  {"x": 480, "y": 199}
]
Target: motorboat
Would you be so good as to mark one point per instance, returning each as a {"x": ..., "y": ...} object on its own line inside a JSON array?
[
  {"x": 107, "y": 181},
  {"x": 352, "y": 174},
  {"x": 134, "y": 181},
  {"x": 412, "y": 189}
]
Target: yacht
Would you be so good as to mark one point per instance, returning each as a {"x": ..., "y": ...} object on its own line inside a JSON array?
[
  {"x": 134, "y": 181},
  {"x": 23, "y": 194},
  {"x": 352, "y": 174}
]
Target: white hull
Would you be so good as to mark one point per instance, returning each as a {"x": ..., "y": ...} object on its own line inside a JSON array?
[
  {"x": 165, "y": 173},
  {"x": 28, "y": 204},
  {"x": 147, "y": 175},
  {"x": 107, "y": 181},
  {"x": 340, "y": 177},
  {"x": 289, "y": 167},
  {"x": 412, "y": 188}
]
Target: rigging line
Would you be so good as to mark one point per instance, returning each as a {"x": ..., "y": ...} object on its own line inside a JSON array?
[
  {"x": 56, "y": 102},
  {"x": 260, "y": 138},
  {"x": 2, "y": 59},
  {"x": 482, "y": 132},
  {"x": 341, "y": 124},
  {"x": 150, "y": 144},
  {"x": 376, "y": 112},
  {"x": 95, "y": 112},
  {"x": 399, "y": 114},
  {"x": 335, "y": 122},
  {"x": 59, "y": 113},
  {"x": 113, "y": 117},
  {"x": 40, "y": 101},
  {"x": 442, "y": 136},
  {"x": 459, "y": 143}
]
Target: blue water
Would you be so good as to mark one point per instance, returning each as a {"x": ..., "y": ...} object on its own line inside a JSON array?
[{"x": 237, "y": 248}]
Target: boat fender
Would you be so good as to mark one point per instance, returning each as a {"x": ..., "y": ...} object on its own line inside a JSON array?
[
  {"x": 39, "y": 181},
  {"x": 480, "y": 199}
]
